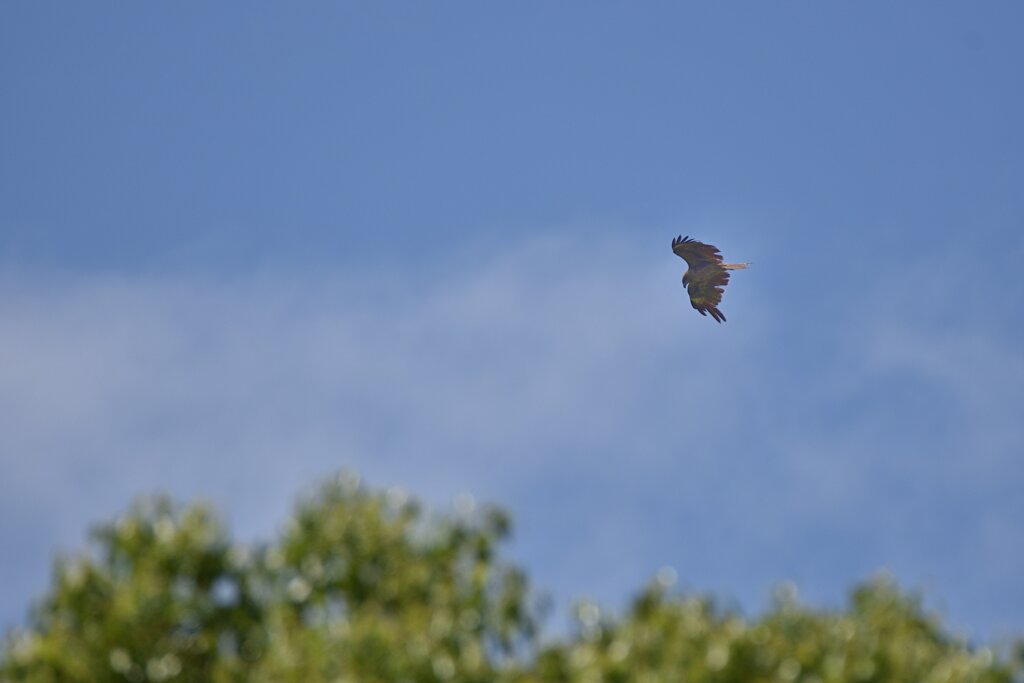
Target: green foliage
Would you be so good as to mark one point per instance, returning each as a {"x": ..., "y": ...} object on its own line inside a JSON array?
[
  {"x": 884, "y": 636},
  {"x": 364, "y": 586},
  {"x": 366, "y": 589},
  {"x": 146, "y": 605}
]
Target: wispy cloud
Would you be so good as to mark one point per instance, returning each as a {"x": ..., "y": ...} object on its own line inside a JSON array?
[{"x": 579, "y": 388}]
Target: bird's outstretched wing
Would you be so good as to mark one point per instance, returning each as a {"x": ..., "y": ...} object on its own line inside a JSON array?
[
  {"x": 706, "y": 276},
  {"x": 705, "y": 291},
  {"x": 696, "y": 254}
]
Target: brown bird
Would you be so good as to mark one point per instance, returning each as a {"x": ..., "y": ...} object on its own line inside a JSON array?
[{"x": 706, "y": 275}]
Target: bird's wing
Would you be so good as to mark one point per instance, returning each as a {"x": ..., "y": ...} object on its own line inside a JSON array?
[
  {"x": 705, "y": 289},
  {"x": 696, "y": 254}
]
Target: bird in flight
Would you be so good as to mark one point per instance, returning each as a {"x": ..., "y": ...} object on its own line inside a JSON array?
[{"x": 706, "y": 275}]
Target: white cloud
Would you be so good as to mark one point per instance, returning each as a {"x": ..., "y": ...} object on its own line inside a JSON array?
[
  {"x": 483, "y": 378},
  {"x": 577, "y": 386}
]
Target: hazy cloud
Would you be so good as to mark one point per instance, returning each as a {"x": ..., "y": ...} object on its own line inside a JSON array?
[{"x": 625, "y": 431}]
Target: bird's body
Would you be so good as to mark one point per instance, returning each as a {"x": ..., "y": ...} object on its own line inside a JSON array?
[{"x": 706, "y": 276}]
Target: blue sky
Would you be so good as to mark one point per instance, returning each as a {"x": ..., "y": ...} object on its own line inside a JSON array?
[{"x": 243, "y": 246}]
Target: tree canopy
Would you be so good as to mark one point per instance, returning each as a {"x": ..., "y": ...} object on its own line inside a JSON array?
[{"x": 368, "y": 586}]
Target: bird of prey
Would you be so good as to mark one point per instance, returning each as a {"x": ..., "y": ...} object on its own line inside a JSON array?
[{"x": 706, "y": 275}]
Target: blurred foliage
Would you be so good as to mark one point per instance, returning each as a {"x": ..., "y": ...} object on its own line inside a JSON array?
[
  {"x": 364, "y": 586},
  {"x": 884, "y": 636}
]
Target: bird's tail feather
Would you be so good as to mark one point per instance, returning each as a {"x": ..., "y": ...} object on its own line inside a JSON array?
[{"x": 735, "y": 266}]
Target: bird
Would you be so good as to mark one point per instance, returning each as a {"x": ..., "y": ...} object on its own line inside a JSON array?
[{"x": 706, "y": 275}]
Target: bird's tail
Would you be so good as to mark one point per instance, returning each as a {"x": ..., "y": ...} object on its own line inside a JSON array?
[{"x": 735, "y": 266}]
